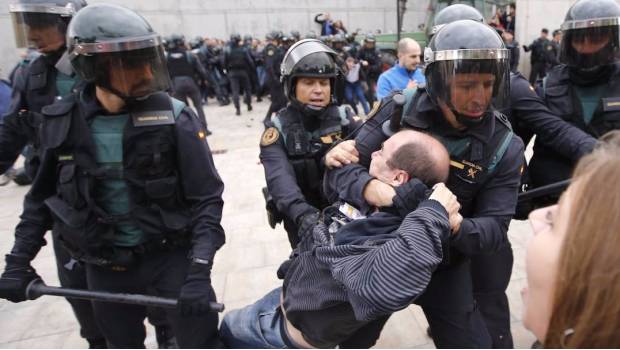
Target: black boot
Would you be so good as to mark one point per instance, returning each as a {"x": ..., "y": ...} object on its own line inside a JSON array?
[
  {"x": 165, "y": 338},
  {"x": 249, "y": 107}
]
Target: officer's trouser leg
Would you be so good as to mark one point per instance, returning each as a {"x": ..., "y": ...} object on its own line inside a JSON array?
[
  {"x": 194, "y": 95},
  {"x": 491, "y": 275},
  {"x": 247, "y": 89},
  {"x": 163, "y": 272},
  {"x": 449, "y": 307},
  {"x": 235, "y": 85},
  {"x": 71, "y": 274}
]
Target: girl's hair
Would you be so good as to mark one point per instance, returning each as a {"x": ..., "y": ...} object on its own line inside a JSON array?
[{"x": 586, "y": 303}]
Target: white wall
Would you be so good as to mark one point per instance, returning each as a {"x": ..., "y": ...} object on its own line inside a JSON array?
[
  {"x": 532, "y": 16},
  {"x": 220, "y": 18}
]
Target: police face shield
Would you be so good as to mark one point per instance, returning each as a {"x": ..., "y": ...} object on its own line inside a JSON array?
[
  {"x": 135, "y": 71},
  {"x": 40, "y": 26},
  {"x": 590, "y": 43},
  {"x": 469, "y": 82}
]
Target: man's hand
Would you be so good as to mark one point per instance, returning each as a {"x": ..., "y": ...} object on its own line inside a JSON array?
[
  {"x": 412, "y": 84},
  {"x": 364, "y": 63},
  {"x": 342, "y": 154},
  {"x": 16, "y": 277},
  {"x": 196, "y": 292},
  {"x": 448, "y": 200},
  {"x": 379, "y": 194}
]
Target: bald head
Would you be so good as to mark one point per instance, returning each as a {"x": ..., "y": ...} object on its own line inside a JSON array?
[
  {"x": 409, "y": 53},
  {"x": 411, "y": 154}
]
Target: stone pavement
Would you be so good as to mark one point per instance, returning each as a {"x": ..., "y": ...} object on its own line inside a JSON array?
[{"x": 244, "y": 269}]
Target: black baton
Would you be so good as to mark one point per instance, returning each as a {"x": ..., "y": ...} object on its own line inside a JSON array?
[
  {"x": 37, "y": 288},
  {"x": 546, "y": 190}
]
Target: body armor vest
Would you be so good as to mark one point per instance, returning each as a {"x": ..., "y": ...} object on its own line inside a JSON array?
[
  {"x": 562, "y": 100},
  {"x": 156, "y": 204},
  {"x": 180, "y": 64},
  {"x": 236, "y": 58},
  {"x": 305, "y": 149}
]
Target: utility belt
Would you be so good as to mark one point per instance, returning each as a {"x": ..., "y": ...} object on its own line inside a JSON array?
[{"x": 119, "y": 258}]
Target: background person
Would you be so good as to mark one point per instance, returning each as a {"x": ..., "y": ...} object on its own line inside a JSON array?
[
  {"x": 405, "y": 74},
  {"x": 573, "y": 269}
]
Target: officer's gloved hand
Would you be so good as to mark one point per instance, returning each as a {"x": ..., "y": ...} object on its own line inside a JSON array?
[
  {"x": 16, "y": 277},
  {"x": 196, "y": 292},
  {"x": 306, "y": 224},
  {"x": 409, "y": 195}
]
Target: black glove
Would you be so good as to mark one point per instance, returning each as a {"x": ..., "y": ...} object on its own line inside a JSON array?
[
  {"x": 196, "y": 293},
  {"x": 409, "y": 195},
  {"x": 16, "y": 277},
  {"x": 307, "y": 223}
]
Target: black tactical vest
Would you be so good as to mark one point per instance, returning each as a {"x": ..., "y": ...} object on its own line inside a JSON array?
[
  {"x": 305, "y": 150},
  {"x": 236, "y": 58},
  {"x": 149, "y": 168},
  {"x": 180, "y": 64},
  {"x": 562, "y": 100}
]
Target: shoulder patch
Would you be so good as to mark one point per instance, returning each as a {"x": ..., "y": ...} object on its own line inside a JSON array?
[
  {"x": 270, "y": 136},
  {"x": 270, "y": 52}
]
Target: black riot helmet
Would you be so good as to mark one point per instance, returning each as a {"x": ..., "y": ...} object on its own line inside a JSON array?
[
  {"x": 295, "y": 35},
  {"x": 31, "y": 15},
  {"x": 175, "y": 41},
  {"x": 454, "y": 13},
  {"x": 590, "y": 34},
  {"x": 311, "y": 35},
  {"x": 468, "y": 70},
  {"x": 196, "y": 43},
  {"x": 118, "y": 50},
  {"x": 308, "y": 58},
  {"x": 235, "y": 38}
]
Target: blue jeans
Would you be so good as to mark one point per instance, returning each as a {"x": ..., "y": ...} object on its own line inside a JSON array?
[
  {"x": 256, "y": 326},
  {"x": 356, "y": 88}
]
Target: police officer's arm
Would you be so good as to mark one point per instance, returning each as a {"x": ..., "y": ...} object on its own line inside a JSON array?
[
  {"x": 36, "y": 218},
  {"x": 352, "y": 183},
  {"x": 281, "y": 181},
  {"x": 201, "y": 184},
  {"x": 551, "y": 130},
  {"x": 486, "y": 230},
  {"x": 13, "y": 128},
  {"x": 250, "y": 61}
]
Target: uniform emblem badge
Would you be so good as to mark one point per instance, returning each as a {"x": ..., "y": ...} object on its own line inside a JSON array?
[{"x": 270, "y": 136}]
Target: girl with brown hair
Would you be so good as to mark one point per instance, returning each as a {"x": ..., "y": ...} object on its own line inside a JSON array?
[{"x": 573, "y": 262}]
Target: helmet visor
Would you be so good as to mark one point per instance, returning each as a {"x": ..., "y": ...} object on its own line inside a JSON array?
[
  {"x": 587, "y": 44},
  {"x": 133, "y": 73},
  {"x": 471, "y": 87},
  {"x": 35, "y": 29}
]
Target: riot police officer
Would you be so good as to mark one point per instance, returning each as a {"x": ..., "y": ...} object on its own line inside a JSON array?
[
  {"x": 583, "y": 90},
  {"x": 42, "y": 24},
  {"x": 467, "y": 77},
  {"x": 185, "y": 69},
  {"x": 370, "y": 57},
  {"x": 293, "y": 145},
  {"x": 273, "y": 55},
  {"x": 239, "y": 63},
  {"x": 113, "y": 189}
]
